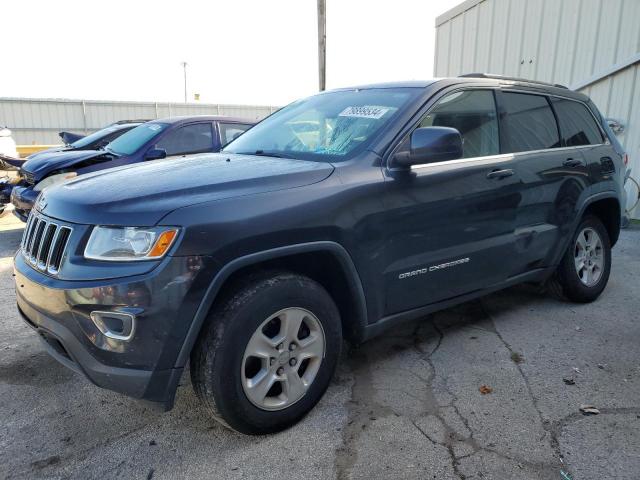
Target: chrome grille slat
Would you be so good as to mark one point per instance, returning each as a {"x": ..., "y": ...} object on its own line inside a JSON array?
[
  {"x": 42, "y": 233},
  {"x": 25, "y": 234},
  {"x": 52, "y": 249},
  {"x": 33, "y": 249},
  {"x": 27, "y": 243},
  {"x": 45, "y": 246},
  {"x": 44, "y": 243}
]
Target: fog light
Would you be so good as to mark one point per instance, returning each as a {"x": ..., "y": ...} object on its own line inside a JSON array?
[{"x": 116, "y": 325}]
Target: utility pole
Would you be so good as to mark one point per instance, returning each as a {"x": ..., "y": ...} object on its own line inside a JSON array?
[
  {"x": 184, "y": 66},
  {"x": 322, "y": 43}
]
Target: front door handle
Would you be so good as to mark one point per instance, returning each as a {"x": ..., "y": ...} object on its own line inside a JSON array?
[
  {"x": 572, "y": 162},
  {"x": 498, "y": 174}
]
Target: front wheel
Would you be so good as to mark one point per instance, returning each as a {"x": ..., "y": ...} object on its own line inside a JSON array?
[
  {"x": 584, "y": 270},
  {"x": 268, "y": 353}
]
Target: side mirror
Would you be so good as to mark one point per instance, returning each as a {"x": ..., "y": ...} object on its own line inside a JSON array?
[
  {"x": 431, "y": 144},
  {"x": 155, "y": 154}
]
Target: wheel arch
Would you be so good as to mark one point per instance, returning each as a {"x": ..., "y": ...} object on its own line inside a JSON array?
[
  {"x": 338, "y": 275},
  {"x": 607, "y": 209}
]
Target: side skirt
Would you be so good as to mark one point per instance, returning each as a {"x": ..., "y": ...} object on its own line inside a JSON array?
[{"x": 386, "y": 323}]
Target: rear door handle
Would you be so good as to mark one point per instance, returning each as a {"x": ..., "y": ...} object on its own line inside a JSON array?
[
  {"x": 498, "y": 174},
  {"x": 572, "y": 162}
]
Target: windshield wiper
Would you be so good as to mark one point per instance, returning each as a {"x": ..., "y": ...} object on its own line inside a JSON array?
[{"x": 267, "y": 153}]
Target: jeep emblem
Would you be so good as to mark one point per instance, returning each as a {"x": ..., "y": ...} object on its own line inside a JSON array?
[{"x": 42, "y": 203}]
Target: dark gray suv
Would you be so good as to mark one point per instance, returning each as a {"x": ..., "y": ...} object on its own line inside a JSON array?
[{"x": 339, "y": 216}]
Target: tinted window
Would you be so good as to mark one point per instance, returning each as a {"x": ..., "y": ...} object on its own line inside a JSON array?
[
  {"x": 231, "y": 131},
  {"x": 577, "y": 125},
  {"x": 194, "y": 138},
  {"x": 473, "y": 114},
  {"x": 528, "y": 123}
]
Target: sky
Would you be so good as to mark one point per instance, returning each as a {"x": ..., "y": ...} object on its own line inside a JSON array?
[{"x": 237, "y": 51}]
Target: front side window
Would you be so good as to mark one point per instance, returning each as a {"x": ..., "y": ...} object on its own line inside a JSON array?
[
  {"x": 528, "y": 123},
  {"x": 194, "y": 138},
  {"x": 134, "y": 139},
  {"x": 473, "y": 114},
  {"x": 328, "y": 127},
  {"x": 231, "y": 131},
  {"x": 577, "y": 125}
]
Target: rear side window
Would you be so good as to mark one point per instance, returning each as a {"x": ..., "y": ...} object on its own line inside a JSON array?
[
  {"x": 231, "y": 131},
  {"x": 577, "y": 125},
  {"x": 473, "y": 114},
  {"x": 528, "y": 123},
  {"x": 194, "y": 138}
]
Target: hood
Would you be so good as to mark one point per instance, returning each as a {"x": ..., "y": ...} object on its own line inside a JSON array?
[
  {"x": 141, "y": 194},
  {"x": 42, "y": 164},
  {"x": 59, "y": 148}
]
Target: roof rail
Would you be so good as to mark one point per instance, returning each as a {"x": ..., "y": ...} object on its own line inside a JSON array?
[{"x": 514, "y": 79}]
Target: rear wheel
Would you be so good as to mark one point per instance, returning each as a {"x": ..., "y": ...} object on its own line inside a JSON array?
[
  {"x": 268, "y": 353},
  {"x": 584, "y": 270}
]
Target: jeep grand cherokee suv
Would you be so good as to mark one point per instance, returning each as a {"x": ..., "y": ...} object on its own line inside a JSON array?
[{"x": 339, "y": 216}]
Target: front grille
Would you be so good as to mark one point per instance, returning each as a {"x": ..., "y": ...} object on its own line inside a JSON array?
[
  {"x": 29, "y": 177},
  {"x": 44, "y": 243}
]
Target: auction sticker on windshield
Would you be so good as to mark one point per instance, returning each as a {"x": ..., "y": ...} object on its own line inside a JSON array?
[{"x": 364, "y": 112}]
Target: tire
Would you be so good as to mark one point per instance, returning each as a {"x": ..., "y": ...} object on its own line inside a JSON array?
[
  {"x": 223, "y": 369},
  {"x": 567, "y": 282}
]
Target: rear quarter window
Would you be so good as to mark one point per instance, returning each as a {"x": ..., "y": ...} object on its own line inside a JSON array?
[
  {"x": 577, "y": 125},
  {"x": 528, "y": 123}
]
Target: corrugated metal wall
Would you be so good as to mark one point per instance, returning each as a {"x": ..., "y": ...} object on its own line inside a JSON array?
[
  {"x": 38, "y": 121},
  {"x": 571, "y": 42}
]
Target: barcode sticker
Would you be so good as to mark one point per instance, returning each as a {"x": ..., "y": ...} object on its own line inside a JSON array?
[{"x": 364, "y": 112}]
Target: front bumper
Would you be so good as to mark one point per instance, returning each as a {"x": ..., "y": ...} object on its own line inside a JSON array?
[
  {"x": 23, "y": 199},
  {"x": 165, "y": 301}
]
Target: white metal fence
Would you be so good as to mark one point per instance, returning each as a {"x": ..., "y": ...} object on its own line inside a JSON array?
[{"x": 38, "y": 121}]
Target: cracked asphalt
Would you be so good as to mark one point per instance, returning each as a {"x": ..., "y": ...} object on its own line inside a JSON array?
[{"x": 405, "y": 405}]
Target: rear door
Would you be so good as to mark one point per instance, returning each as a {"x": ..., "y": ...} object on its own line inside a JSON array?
[
  {"x": 580, "y": 130},
  {"x": 559, "y": 151},
  {"x": 450, "y": 224},
  {"x": 549, "y": 188}
]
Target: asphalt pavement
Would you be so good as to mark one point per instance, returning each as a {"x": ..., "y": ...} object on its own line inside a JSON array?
[{"x": 490, "y": 389}]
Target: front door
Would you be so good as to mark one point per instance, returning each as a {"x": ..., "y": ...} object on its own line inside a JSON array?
[{"x": 451, "y": 224}]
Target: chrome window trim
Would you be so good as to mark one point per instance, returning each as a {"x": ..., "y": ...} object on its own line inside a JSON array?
[
  {"x": 504, "y": 155},
  {"x": 498, "y": 157}
]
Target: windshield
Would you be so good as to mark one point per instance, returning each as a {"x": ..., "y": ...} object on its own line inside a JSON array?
[
  {"x": 328, "y": 127},
  {"x": 94, "y": 137},
  {"x": 135, "y": 138}
]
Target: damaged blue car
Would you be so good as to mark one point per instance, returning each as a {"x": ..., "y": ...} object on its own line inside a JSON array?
[{"x": 153, "y": 140}]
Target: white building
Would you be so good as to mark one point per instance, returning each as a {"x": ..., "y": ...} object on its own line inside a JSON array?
[{"x": 588, "y": 45}]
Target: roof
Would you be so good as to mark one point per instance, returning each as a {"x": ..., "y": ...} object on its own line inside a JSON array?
[
  {"x": 478, "y": 78},
  {"x": 213, "y": 118}
]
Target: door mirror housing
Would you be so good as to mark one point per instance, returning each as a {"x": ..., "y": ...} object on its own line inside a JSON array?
[
  {"x": 155, "y": 154},
  {"x": 431, "y": 144}
]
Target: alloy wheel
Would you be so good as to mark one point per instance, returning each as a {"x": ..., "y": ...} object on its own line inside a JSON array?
[
  {"x": 282, "y": 358},
  {"x": 589, "y": 257}
]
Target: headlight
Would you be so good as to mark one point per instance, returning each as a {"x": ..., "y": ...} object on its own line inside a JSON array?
[
  {"x": 121, "y": 244},
  {"x": 53, "y": 179}
]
